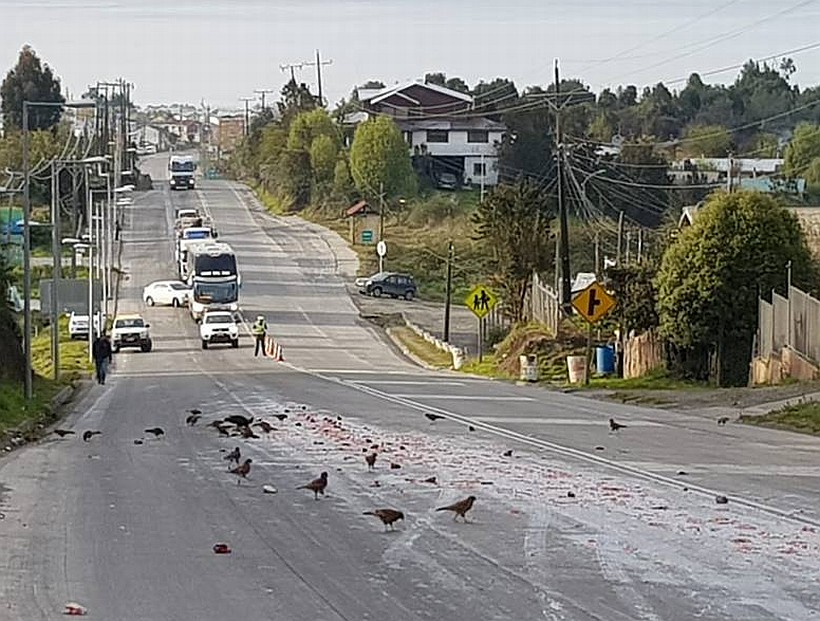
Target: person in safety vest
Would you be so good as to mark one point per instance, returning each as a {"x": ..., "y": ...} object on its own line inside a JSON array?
[{"x": 259, "y": 329}]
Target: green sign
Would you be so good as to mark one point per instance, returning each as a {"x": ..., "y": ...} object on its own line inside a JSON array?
[{"x": 367, "y": 236}]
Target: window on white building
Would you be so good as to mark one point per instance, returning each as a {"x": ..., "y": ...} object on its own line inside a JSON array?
[
  {"x": 438, "y": 135},
  {"x": 479, "y": 169},
  {"x": 478, "y": 135}
]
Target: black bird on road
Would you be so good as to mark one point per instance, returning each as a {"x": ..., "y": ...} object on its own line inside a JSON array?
[
  {"x": 432, "y": 417},
  {"x": 193, "y": 419},
  {"x": 234, "y": 455},
  {"x": 63, "y": 432},
  {"x": 87, "y": 435},
  {"x": 195, "y": 411},
  {"x": 613, "y": 426},
  {"x": 280, "y": 417},
  {"x": 157, "y": 432},
  {"x": 239, "y": 420}
]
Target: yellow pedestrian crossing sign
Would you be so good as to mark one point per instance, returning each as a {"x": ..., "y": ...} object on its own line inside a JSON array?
[
  {"x": 481, "y": 300},
  {"x": 593, "y": 303}
]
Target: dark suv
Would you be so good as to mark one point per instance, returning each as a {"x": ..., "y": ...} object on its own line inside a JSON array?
[{"x": 392, "y": 284}]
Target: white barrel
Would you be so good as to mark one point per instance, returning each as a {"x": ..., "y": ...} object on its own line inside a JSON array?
[{"x": 577, "y": 369}]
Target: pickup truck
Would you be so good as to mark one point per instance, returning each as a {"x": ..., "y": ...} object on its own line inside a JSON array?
[{"x": 219, "y": 327}]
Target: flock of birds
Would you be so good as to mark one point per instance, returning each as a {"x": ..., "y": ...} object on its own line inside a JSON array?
[{"x": 237, "y": 425}]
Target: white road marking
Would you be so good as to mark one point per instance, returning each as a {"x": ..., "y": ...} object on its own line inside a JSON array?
[
  {"x": 546, "y": 420},
  {"x": 408, "y": 382},
  {"x": 460, "y": 397}
]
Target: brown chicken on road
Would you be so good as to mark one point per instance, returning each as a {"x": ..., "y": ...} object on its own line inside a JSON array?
[
  {"x": 371, "y": 460},
  {"x": 387, "y": 516},
  {"x": 317, "y": 486},
  {"x": 242, "y": 470},
  {"x": 264, "y": 426},
  {"x": 235, "y": 455},
  {"x": 460, "y": 508}
]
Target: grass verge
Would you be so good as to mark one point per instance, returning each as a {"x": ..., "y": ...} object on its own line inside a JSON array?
[
  {"x": 657, "y": 380},
  {"x": 800, "y": 418},
  {"x": 18, "y": 414},
  {"x": 421, "y": 349}
]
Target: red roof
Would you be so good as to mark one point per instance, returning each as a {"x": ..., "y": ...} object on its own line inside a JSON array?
[{"x": 358, "y": 208}]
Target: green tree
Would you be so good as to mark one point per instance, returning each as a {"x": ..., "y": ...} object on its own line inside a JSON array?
[
  {"x": 30, "y": 80},
  {"x": 379, "y": 157},
  {"x": 634, "y": 287},
  {"x": 323, "y": 155},
  {"x": 767, "y": 145},
  {"x": 514, "y": 221},
  {"x": 306, "y": 126},
  {"x": 343, "y": 186},
  {"x": 295, "y": 98},
  {"x": 711, "y": 275},
  {"x": 12, "y": 361},
  {"x": 707, "y": 141},
  {"x": 802, "y": 150}
]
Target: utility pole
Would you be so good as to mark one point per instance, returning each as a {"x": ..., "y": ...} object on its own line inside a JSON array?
[
  {"x": 729, "y": 171},
  {"x": 247, "y": 100},
  {"x": 448, "y": 291},
  {"x": 566, "y": 286},
  {"x": 483, "y": 176},
  {"x": 640, "y": 244},
  {"x": 620, "y": 237},
  {"x": 597, "y": 253},
  {"x": 381, "y": 223},
  {"x": 263, "y": 92},
  {"x": 292, "y": 67},
  {"x": 318, "y": 64}
]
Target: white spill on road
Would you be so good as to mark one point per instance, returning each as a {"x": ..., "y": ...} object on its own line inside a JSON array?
[{"x": 734, "y": 561}]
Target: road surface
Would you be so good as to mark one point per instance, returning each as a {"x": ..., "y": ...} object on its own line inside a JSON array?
[{"x": 575, "y": 524}]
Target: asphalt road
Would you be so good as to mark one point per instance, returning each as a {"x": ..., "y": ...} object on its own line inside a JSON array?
[{"x": 575, "y": 524}]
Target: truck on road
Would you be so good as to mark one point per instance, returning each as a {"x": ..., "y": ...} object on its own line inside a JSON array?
[{"x": 181, "y": 172}]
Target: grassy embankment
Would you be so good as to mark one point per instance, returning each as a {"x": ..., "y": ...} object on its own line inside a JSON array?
[
  {"x": 15, "y": 413},
  {"x": 799, "y": 417}
]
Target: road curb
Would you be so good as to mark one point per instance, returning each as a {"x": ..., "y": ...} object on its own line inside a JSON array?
[{"x": 408, "y": 354}]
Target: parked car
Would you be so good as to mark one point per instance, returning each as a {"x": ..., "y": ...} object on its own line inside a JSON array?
[
  {"x": 390, "y": 283},
  {"x": 78, "y": 325},
  {"x": 219, "y": 327},
  {"x": 131, "y": 331},
  {"x": 447, "y": 181},
  {"x": 166, "y": 292}
]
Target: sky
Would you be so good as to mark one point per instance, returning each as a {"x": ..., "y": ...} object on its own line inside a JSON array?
[{"x": 217, "y": 51}]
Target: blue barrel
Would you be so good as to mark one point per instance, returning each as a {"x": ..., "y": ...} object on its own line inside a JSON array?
[{"x": 605, "y": 359}]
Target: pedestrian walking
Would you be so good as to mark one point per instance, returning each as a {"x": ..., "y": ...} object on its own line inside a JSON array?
[
  {"x": 102, "y": 353},
  {"x": 260, "y": 330}
]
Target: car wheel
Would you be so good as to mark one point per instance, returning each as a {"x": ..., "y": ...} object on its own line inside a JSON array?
[
  {"x": 204, "y": 344},
  {"x": 235, "y": 343},
  {"x": 149, "y": 301},
  {"x": 376, "y": 292},
  {"x": 409, "y": 295},
  {"x": 146, "y": 347},
  {"x": 175, "y": 303}
]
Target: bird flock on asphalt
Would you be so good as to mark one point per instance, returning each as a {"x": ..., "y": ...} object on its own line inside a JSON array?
[{"x": 239, "y": 426}]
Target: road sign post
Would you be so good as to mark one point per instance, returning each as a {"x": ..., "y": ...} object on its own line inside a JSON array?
[
  {"x": 381, "y": 249},
  {"x": 593, "y": 304},
  {"x": 481, "y": 301}
]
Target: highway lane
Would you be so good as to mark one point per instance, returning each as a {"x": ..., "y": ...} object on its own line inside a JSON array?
[{"x": 126, "y": 529}]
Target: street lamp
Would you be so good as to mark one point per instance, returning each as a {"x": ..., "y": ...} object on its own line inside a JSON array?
[
  {"x": 79, "y": 244},
  {"x": 27, "y": 229}
]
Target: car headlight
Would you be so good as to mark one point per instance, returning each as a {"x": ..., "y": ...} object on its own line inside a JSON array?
[{"x": 234, "y": 307}]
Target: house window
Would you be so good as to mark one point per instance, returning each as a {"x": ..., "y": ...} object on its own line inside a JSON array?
[
  {"x": 478, "y": 135},
  {"x": 479, "y": 169},
  {"x": 438, "y": 135}
]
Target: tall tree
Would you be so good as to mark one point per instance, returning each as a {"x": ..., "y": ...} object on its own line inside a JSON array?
[
  {"x": 803, "y": 149},
  {"x": 12, "y": 362},
  {"x": 712, "y": 274},
  {"x": 379, "y": 157},
  {"x": 707, "y": 141},
  {"x": 30, "y": 80},
  {"x": 515, "y": 223},
  {"x": 295, "y": 98}
]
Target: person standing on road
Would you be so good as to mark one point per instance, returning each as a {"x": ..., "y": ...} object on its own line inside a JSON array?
[
  {"x": 102, "y": 354},
  {"x": 259, "y": 329}
]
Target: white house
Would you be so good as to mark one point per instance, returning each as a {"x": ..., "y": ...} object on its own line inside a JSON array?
[{"x": 439, "y": 123}]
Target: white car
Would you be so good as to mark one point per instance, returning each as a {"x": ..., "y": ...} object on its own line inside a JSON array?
[
  {"x": 78, "y": 325},
  {"x": 219, "y": 327},
  {"x": 131, "y": 331},
  {"x": 166, "y": 292}
]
